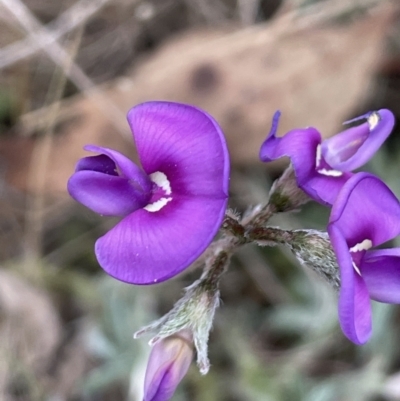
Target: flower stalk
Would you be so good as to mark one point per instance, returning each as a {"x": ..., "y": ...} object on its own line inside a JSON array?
[{"x": 194, "y": 312}]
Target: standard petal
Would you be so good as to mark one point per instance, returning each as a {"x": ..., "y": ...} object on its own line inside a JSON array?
[
  {"x": 366, "y": 209},
  {"x": 381, "y": 272},
  {"x": 355, "y": 146},
  {"x": 184, "y": 143},
  {"x": 300, "y": 145},
  {"x": 354, "y": 303},
  {"x": 125, "y": 166},
  {"x": 105, "y": 194},
  {"x": 149, "y": 247}
]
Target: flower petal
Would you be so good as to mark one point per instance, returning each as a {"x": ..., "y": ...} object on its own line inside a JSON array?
[
  {"x": 354, "y": 303},
  {"x": 184, "y": 143},
  {"x": 169, "y": 361},
  {"x": 100, "y": 163},
  {"x": 366, "y": 209},
  {"x": 105, "y": 194},
  {"x": 301, "y": 145},
  {"x": 381, "y": 272},
  {"x": 149, "y": 247},
  {"x": 126, "y": 167},
  {"x": 324, "y": 189},
  {"x": 353, "y": 147}
]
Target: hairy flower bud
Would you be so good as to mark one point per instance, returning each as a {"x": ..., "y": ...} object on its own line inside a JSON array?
[
  {"x": 313, "y": 249},
  {"x": 285, "y": 194},
  {"x": 169, "y": 362}
]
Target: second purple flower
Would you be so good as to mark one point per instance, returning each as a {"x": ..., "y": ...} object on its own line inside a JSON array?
[
  {"x": 323, "y": 166},
  {"x": 366, "y": 214}
]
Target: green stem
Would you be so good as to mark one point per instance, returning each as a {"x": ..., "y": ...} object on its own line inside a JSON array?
[
  {"x": 270, "y": 234},
  {"x": 218, "y": 267}
]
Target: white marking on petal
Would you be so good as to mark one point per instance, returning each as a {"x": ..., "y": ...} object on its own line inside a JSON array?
[
  {"x": 373, "y": 120},
  {"x": 330, "y": 173},
  {"x": 362, "y": 246},
  {"x": 324, "y": 171},
  {"x": 162, "y": 181},
  {"x": 318, "y": 156},
  {"x": 156, "y": 206},
  {"x": 356, "y": 269}
]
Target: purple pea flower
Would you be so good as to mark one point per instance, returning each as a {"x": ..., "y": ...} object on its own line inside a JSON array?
[
  {"x": 169, "y": 362},
  {"x": 323, "y": 166},
  {"x": 365, "y": 214},
  {"x": 172, "y": 208}
]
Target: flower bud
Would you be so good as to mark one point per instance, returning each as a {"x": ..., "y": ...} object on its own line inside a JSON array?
[
  {"x": 313, "y": 249},
  {"x": 169, "y": 361},
  {"x": 285, "y": 194}
]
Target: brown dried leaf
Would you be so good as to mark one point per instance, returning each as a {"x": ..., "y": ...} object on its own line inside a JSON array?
[{"x": 315, "y": 73}]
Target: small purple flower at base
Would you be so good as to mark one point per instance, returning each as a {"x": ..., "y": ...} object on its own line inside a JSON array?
[
  {"x": 173, "y": 208},
  {"x": 169, "y": 362},
  {"x": 365, "y": 214},
  {"x": 323, "y": 166}
]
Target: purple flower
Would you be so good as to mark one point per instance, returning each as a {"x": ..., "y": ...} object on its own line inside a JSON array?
[
  {"x": 322, "y": 167},
  {"x": 171, "y": 210},
  {"x": 169, "y": 362},
  {"x": 365, "y": 214}
]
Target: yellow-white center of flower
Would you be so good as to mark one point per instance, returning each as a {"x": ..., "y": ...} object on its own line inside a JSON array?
[
  {"x": 373, "y": 120},
  {"x": 161, "y": 180},
  {"x": 356, "y": 269},
  {"x": 318, "y": 156},
  {"x": 331, "y": 173},
  {"x": 325, "y": 171},
  {"x": 361, "y": 246}
]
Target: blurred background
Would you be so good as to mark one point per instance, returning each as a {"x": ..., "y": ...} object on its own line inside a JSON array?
[{"x": 69, "y": 72}]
